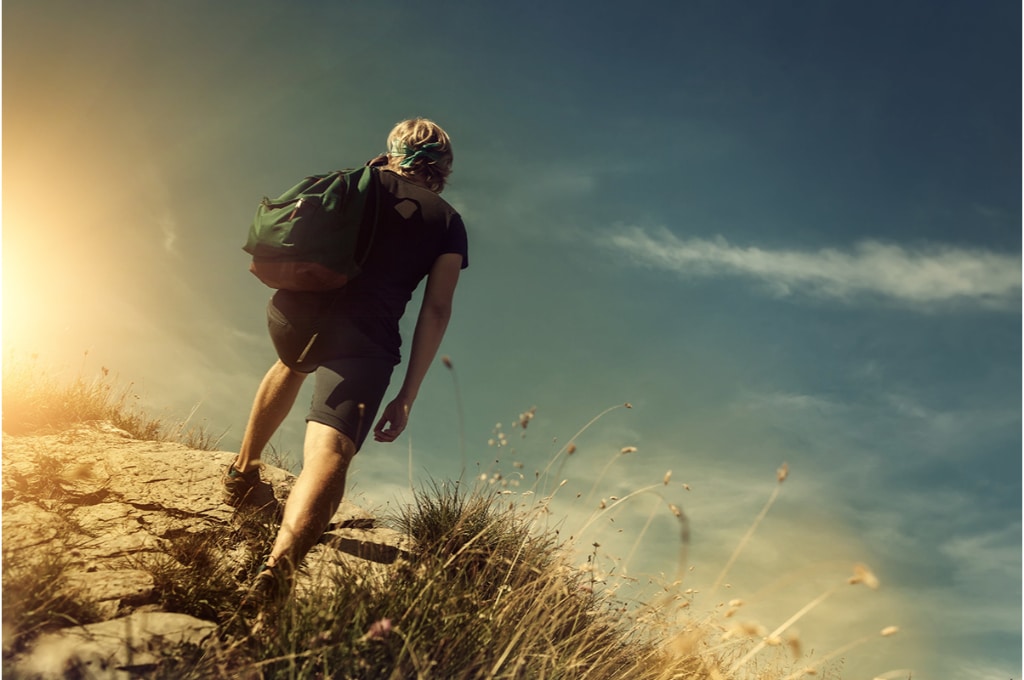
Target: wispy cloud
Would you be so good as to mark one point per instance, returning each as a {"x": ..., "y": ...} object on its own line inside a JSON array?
[
  {"x": 920, "y": 277},
  {"x": 988, "y": 560},
  {"x": 975, "y": 671},
  {"x": 169, "y": 230}
]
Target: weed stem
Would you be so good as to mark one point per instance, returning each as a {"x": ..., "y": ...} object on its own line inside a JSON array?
[{"x": 746, "y": 539}]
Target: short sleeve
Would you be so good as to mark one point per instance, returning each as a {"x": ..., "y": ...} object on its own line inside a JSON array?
[{"x": 455, "y": 239}]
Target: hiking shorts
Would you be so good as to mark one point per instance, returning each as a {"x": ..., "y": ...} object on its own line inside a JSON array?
[
  {"x": 347, "y": 395},
  {"x": 351, "y": 373}
]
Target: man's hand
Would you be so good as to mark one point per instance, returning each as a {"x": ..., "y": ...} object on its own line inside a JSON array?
[{"x": 397, "y": 414}]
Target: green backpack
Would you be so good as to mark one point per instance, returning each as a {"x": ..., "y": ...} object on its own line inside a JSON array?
[{"x": 317, "y": 235}]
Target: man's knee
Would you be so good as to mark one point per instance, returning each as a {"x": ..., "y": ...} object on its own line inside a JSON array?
[{"x": 325, "y": 440}]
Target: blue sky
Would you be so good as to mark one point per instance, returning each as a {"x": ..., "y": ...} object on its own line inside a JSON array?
[{"x": 781, "y": 231}]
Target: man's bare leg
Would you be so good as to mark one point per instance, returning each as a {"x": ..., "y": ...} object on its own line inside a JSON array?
[
  {"x": 316, "y": 495},
  {"x": 274, "y": 400}
]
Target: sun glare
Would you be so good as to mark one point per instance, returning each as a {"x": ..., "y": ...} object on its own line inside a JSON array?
[
  {"x": 50, "y": 285},
  {"x": 23, "y": 308}
]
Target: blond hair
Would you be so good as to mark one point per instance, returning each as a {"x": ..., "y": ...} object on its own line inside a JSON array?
[{"x": 429, "y": 169}]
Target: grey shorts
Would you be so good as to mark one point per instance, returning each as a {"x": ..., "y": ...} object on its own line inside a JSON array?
[{"x": 351, "y": 374}]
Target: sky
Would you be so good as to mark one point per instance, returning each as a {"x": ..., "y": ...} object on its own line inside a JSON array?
[{"x": 783, "y": 232}]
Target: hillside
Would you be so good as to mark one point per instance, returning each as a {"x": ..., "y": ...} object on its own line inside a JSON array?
[
  {"x": 111, "y": 519},
  {"x": 120, "y": 561}
]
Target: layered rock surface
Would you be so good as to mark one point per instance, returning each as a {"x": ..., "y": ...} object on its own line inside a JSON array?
[{"x": 108, "y": 503}]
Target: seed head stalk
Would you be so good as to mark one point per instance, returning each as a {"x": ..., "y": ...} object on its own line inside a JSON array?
[
  {"x": 446, "y": 360},
  {"x": 781, "y": 475},
  {"x": 583, "y": 429},
  {"x": 861, "y": 574},
  {"x": 831, "y": 655},
  {"x": 789, "y": 622},
  {"x": 604, "y": 470},
  {"x": 640, "y": 536},
  {"x": 615, "y": 504}
]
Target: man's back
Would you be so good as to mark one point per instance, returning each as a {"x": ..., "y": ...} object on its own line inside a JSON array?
[{"x": 414, "y": 227}]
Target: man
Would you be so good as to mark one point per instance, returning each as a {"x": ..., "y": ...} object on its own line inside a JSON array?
[{"x": 357, "y": 343}]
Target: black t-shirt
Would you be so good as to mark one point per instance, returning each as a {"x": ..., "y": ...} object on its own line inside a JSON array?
[{"x": 414, "y": 227}]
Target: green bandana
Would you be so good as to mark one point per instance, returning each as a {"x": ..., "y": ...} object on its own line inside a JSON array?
[{"x": 429, "y": 151}]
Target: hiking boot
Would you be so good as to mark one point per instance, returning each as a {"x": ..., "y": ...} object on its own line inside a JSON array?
[
  {"x": 237, "y": 485},
  {"x": 267, "y": 593}
]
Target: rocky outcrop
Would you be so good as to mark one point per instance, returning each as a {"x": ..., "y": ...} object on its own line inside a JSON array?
[
  {"x": 119, "y": 648},
  {"x": 108, "y": 503}
]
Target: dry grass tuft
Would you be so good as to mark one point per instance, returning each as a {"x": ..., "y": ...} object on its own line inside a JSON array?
[{"x": 36, "y": 401}]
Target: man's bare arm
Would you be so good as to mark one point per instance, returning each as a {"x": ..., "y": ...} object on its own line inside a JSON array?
[{"x": 430, "y": 327}]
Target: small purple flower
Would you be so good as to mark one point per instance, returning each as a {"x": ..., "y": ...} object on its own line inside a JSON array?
[{"x": 378, "y": 630}]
